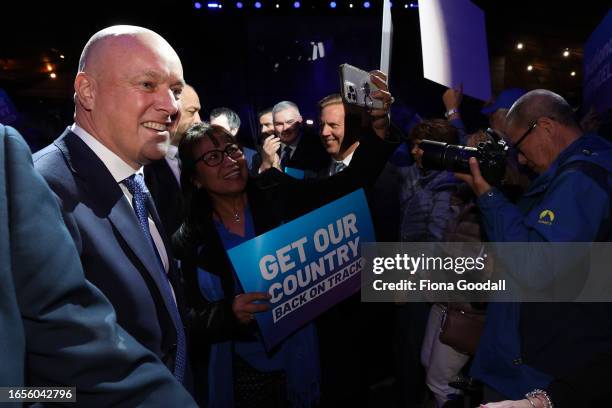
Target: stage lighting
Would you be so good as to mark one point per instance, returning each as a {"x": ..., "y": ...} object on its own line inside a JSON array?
[
  {"x": 296, "y": 4},
  {"x": 332, "y": 4},
  {"x": 53, "y": 75},
  {"x": 573, "y": 73},
  {"x": 529, "y": 67},
  {"x": 197, "y": 5},
  {"x": 257, "y": 5},
  {"x": 213, "y": 5},
  {"x": 366, "y": 4},
  {"x": 566, "y": 53},
  {"x": 519, "y": 46}
]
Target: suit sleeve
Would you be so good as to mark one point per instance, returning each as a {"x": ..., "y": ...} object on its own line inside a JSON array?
[{"x": 72, "y": 338}]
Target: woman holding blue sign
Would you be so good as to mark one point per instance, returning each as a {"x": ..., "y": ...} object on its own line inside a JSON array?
[{"x": 224, "y": 208}]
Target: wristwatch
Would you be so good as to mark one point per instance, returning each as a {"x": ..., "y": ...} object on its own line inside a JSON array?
[{"x": 450, "y": 112}]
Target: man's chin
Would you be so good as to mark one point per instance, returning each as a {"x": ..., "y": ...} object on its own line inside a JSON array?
[{"x": 157, "y": 153}]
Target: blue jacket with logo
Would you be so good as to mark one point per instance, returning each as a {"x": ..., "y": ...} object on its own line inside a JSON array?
[{"x": 525, "y": 345}]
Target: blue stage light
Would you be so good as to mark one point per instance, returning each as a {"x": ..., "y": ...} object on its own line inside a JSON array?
[
  {"x": 257, "y": 5},
  {"x": 213, "y": 5},
  {"x": 296, "y": 4},
  {"x": 332, "y": 4},
  {"x": 366, "y": 4},
  {"x": 197, "y": 5},
  {"x": 239, "y": 5}
]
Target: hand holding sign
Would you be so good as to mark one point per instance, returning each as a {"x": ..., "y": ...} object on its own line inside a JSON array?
[
  {"x": 307, "y": 266},
  {"x": 244, "y": 307}
]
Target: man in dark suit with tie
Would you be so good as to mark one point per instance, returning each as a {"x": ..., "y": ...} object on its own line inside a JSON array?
[
  {"x": 58, "y": 330},
  {"x": 292, "y": 146},
  {"x": 163, "y": 177},
  {"x": 339, "y": 144},
  {"x": 126, "y": 96}
]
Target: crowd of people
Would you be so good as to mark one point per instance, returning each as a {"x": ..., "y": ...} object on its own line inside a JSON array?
[{"x": 116, "y": 278}]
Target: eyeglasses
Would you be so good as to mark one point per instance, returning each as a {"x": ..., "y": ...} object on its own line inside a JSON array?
[
  {"x": 522, "y": 138},
  {"x": 215, "y": 157}
]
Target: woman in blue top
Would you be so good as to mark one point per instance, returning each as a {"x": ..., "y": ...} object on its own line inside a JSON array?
[{"x": 224, "y": 207}]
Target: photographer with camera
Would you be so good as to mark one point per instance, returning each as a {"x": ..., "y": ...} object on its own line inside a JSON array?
[{"x": 524, "y": 346}]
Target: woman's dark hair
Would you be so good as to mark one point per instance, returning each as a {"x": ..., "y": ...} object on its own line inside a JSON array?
[
  {"x": 197, "y": 206},
  {"x": 435, "y": 129}
]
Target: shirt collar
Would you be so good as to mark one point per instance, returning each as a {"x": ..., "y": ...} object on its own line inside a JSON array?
[
  {"x": 293, "y": 145},
  {"x": 172, "y": 152},
  {"x": 119, "y": 169}
]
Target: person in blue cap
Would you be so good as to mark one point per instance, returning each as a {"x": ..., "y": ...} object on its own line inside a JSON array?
[{"x": 525, "y": 346}]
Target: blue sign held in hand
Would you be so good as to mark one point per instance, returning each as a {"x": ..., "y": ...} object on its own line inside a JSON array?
[{"x": 307, "y": 266}]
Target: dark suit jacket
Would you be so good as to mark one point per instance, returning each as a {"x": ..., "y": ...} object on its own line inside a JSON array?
[
  {"x": 115, "y": 256},
  {"x": 309, "y": 155},
  {"x": 166, "y": 193},
  {"x": 56, "y": 328}
]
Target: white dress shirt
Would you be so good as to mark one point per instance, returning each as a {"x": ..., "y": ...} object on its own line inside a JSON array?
[
  {"x": 346, "y": 161},
  {"x": 120, "y": 170},
  {"x": 173, "y": 161}
]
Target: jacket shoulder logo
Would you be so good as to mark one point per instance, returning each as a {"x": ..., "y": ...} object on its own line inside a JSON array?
[{"x": 546, "y": 217}]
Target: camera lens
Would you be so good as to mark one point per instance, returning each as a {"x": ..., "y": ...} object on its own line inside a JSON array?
[{"x": 444, "y": 156}]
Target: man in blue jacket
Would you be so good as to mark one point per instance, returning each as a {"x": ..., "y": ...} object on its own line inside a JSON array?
[
  {"x": 56, "y": 328},
  {"x": 525, "y": 345}
]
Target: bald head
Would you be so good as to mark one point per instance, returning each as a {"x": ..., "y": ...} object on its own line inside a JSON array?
[
  {"x": 119, "y": 38},
  {"x": 189, "y": 106},
  {"x": 127, "y": 91},
  {"x": 540, "y": 103}
]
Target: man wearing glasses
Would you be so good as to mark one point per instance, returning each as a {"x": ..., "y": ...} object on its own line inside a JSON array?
[{"x": 525, "y": 346}]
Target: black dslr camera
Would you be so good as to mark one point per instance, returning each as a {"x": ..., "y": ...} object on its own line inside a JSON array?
[{"x": 491, "y": 156}]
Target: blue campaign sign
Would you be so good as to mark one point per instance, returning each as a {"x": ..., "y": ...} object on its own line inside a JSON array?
[
  {"x": 8, "y": 113},
  {"x": 307, "y": 265},
  {"x": 295, "y": 173},
  {"x": 597, "y": 86}
]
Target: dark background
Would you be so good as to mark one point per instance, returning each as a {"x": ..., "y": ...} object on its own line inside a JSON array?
[{"x": 249, "y": 59}]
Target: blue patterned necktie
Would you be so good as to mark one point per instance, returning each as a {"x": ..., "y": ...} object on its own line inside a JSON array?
[
  {"x": 338, "y": 167},
  {"x": 286, "y": 155},
  {"x": 136, "y": 186}
]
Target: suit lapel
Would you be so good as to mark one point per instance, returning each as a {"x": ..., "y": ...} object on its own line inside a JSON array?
[{"x": 107, "y": 199}]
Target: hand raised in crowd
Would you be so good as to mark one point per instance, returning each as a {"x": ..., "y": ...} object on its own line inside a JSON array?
[
  {"x": 452, "y": 97},
  {"x": 475, "y": 180},
  {"x": 244, "y": 307},
  {"x": 380, "y": 117},
  {"x": 269, "y": 153}
]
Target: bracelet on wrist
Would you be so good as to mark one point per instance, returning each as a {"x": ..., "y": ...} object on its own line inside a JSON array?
[
  {"x": 451, "y": 112},
  {"x": 539, "y": 395}
]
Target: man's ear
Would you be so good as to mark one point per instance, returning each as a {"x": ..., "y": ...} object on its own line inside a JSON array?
[
  {"x": 547, "y": 124},
  {"x": 84, "y": 90}
]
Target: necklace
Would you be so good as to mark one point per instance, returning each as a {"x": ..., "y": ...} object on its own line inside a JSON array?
[{"x": 236, "y": 216}]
